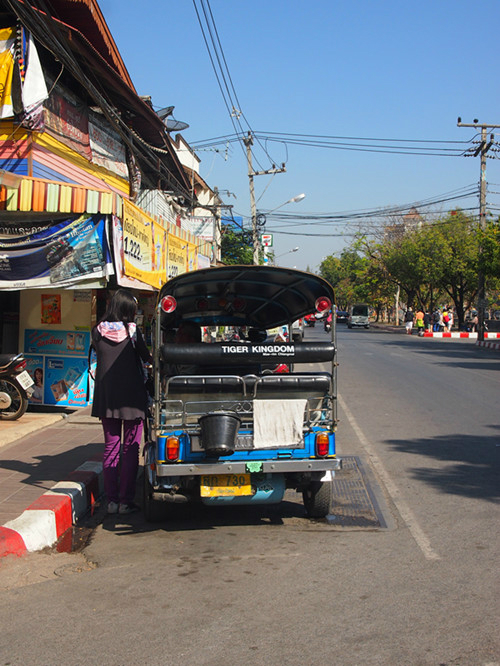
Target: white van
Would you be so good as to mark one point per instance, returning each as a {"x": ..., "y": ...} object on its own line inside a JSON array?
[{"x": 359, "y": 315}]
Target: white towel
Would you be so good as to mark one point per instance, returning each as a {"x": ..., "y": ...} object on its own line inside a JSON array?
[{"x": 278, "y": 423}]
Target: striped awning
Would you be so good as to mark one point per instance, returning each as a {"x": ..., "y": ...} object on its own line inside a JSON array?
[{"x": 25, "y": 194}]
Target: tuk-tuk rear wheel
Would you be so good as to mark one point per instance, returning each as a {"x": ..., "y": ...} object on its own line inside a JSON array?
[{"x": 318, "y": 498}]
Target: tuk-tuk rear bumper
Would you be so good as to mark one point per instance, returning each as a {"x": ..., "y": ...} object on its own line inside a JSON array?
[{"x": 240, "y": 467}]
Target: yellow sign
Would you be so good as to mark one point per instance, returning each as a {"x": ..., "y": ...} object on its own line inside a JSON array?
[
  {"x": 177, "y": 256},
  {"x": 192, "y": 257},
  {"x": 138, "y": 244}
]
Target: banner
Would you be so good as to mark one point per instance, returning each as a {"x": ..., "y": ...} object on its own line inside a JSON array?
[
  {"x": 66, "y": 118},
  {"x": 108, "y": 149},
  {"x": 34, "y": 90},
  {"x": 144, "y": 244},
  {"x": 202, "y": 227},
  {"x": 203, "y": 261},
  {"x": 192, "y": 257},
  {"x": 177, "y": 256},
  {"x": 7, "y": 39},
  {"x": 121, "y": 278},
  {"x": 64, "y": 254}
]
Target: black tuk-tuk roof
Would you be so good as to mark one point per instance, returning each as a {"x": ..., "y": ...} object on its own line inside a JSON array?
[{"x": 257, "y": 296}]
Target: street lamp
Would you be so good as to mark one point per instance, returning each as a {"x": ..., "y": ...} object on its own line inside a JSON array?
[
  {"x": 260, "y": 221},
  {"x": 296, "y": 199},
  {"x": 288, "y": 252}
]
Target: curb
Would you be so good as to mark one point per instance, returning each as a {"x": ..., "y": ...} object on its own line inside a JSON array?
[
  {"x": 56, "y": 511},
  {"x": 488, "y": 345}
]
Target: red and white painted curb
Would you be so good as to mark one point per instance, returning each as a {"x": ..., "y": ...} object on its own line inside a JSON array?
[
  {"x": 459, "y": 334},
  {"x": 488, "y": 344},
  {"x": 52, "y": 514}
]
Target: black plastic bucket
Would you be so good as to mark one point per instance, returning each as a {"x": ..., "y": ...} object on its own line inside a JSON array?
[{"x": 219, "y": 431}]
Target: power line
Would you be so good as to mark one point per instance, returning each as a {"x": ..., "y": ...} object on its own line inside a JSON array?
[
  {"x": 222, "y": 74},
  {"x": 362, "y": 144}
]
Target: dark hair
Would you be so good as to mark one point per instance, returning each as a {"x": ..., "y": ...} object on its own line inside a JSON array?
[{"x": 122, "y": 307}]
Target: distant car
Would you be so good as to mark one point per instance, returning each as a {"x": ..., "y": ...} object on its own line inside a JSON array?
[{"x": 341, "y": 317}]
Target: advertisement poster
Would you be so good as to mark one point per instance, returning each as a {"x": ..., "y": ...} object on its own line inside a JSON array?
[
  {"x": 177, "y": 256},
  {"x": 122, "y": 279},
  {"x": 61, "y": 255},
  {"x": 59, "y": 380},
  {"x": 137, "y": 242},
  {"x": 35, "y": 366},
  {"x": 51, "y": 308},
  {"x": 66, "y": 343}
]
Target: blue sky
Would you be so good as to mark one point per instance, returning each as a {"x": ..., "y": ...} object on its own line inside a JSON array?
[{"x": 351, "y": 68}]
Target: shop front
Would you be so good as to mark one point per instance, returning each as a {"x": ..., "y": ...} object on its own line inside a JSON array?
[{"x": 56, "y": 277}]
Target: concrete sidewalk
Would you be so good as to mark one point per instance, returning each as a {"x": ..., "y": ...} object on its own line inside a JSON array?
[{"x": 50, "y": 474}]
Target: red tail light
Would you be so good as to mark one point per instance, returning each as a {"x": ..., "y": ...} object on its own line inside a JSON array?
[
  {"x": 168, "y": 304},
  {"x": 322, "y": 444},
  {"x": 322, "y": 304},
  {"x": 172, "y": 448},
  {"x": 20, "y": 366}
]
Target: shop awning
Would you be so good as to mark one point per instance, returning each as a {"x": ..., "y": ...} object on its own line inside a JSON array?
[{"x": 25, "y": 194}]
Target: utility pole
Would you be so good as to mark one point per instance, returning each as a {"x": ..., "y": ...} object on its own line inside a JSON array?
[
  {"x": 248, "y": 141},
  {"x": 482, "y": 149}
]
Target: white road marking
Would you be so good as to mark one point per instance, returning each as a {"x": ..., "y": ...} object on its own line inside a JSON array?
[{"x": 404, "y": 510}]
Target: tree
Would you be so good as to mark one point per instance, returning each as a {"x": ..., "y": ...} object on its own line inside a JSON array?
[
  {"x": 236, "y": 246},
  {"x": 347, "y": 275}
]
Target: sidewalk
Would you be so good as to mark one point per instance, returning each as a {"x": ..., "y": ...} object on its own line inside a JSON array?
[{"x": 50, "y": 474}]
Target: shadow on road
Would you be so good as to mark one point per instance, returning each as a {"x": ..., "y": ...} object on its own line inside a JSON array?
[{"x": 474, "y": 469}]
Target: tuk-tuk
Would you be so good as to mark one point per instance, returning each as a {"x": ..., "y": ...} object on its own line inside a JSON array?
[{"x": 225, "y": 429}]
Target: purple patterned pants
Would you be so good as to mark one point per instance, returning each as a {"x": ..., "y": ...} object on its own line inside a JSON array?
[{"x": 120, "y": 471}]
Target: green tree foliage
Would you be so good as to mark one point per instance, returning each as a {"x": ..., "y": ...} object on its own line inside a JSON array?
[
  {"x": 433, "y": 264},
  {"x": 347, "y": 275},
  {"x": 236, "y": 246},
  {"x": 490, "y": 241}
]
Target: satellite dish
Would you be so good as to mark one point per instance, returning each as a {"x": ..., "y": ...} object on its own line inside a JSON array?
[
  {"x": 166, "y": 111},
  {"x": 171, "y": 124},
  {"x": 174, "y": 125}
]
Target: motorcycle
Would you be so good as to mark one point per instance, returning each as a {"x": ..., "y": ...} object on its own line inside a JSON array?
[{"x": 15, "y": 386}]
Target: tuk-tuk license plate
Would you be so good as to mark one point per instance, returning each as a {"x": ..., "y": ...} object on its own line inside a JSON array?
[{"x": 225, "y": 485}]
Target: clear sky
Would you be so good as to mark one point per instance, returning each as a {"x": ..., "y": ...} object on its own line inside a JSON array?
[{"x": 382, "y": 69}]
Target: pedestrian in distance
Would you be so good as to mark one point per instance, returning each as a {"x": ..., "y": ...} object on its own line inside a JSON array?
[
  {"x": 419, "y": 322},
  {"x": 120, "y": 398},
  {"x": 428, "y": 321},
  {"x": 409, "y": 321},
  {"x": 437, "y": 319},
  {"x": 449, "y": 319}
]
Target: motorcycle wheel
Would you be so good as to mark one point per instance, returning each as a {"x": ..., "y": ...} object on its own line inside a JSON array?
[{"x": 13, "y": 401}]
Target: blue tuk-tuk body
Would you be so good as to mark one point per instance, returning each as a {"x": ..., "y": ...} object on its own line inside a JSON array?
[{"x": 225, "y": 428}]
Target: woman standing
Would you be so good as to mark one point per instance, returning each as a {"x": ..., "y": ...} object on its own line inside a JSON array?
[{"x": 120, "y": 397}]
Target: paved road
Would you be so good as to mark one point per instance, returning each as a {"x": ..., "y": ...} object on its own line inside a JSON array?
[{"x": 269, "y": 586}]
